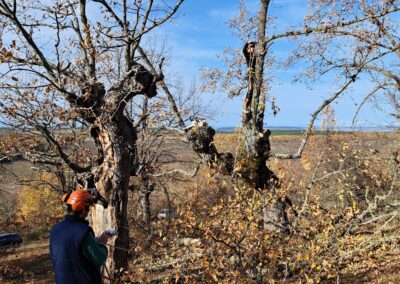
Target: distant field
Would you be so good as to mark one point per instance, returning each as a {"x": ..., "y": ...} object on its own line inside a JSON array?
[
  {"x": 283, "y": 132},
  {"x": 300, "y": 132}
]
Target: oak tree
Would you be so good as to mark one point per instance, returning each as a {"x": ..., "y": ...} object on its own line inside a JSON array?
[{"x": 58, "y": 65}]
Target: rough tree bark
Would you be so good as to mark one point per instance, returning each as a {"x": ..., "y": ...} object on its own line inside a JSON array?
[
  {"x": 144, "y": 206},
  {"x": 146, "y": 187},
  {"x": 117, "y": 139}
]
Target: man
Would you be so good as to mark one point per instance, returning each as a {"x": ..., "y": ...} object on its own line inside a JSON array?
[{"x": 75, "y": 252}]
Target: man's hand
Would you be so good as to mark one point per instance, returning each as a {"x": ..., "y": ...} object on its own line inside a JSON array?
[{"x": 103, "y": 238}]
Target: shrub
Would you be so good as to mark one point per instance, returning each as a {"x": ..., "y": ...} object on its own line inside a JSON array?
[{"x": 39, "y": 205}]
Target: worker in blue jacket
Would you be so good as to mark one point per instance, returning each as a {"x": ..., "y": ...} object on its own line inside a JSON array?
[{"x": 75, "y": 252}]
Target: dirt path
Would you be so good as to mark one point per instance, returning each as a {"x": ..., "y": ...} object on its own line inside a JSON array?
[{"x": 29, "y": 263}]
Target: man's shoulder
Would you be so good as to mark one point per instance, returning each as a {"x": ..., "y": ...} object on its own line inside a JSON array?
[
  {"x": 57, "y": 225},
  {"x": 71, "y": 222}
]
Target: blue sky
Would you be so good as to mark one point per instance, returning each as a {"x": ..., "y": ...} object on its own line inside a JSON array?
[{"x": 201, "y": 33}]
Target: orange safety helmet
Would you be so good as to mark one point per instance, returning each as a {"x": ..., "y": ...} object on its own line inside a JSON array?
[{"x": 78, "y": 199}]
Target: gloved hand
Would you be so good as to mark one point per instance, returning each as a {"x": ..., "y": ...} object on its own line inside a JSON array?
[{"x": 103, "y": 237}]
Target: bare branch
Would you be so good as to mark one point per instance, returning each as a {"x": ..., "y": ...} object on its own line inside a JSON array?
[
  {"x": 165, "y": 88},
  {"x": 111, "y": 11},
  {"x": 29, "y": 40},
  {"x": 386, "y": 73},
  {"x": 63, "y": 155},
  {"x": 312, "y": 120},
  {"x": 159, "y": 22},
  {"x": 377, "y": 88},
  {"x": 330, "y": 28}
]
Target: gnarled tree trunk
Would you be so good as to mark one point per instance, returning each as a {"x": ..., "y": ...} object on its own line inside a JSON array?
[
  {"x": 117, "y": 139},
  {"x": 251, "y": 168}
]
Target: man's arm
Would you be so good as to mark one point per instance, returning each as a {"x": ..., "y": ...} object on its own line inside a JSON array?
[{"x": 95, "y": 252}]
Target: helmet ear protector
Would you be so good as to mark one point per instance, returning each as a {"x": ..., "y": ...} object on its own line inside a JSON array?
[{"x": 65, "y": 197}]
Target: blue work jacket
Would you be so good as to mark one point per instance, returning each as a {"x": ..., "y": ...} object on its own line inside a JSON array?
[{"x": 66, "y": 251}]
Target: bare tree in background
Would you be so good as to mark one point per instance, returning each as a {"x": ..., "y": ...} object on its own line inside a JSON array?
[
  {"x": 158, "y": 131},
  {"x": 255, "y": 83},
  {"x": 155, "y": 154}
]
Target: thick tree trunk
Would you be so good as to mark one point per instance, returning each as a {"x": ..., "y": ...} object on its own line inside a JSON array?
[
  {"x": 117, "y": 139},
  {"x": 253, "y": 168},
  {"x": 274, "y": 215}
]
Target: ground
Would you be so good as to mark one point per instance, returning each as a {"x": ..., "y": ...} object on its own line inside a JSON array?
[{"x": 28, "y": 263}]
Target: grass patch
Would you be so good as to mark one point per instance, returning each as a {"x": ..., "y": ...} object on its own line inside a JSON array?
[{"x": 281, "y": 132}]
